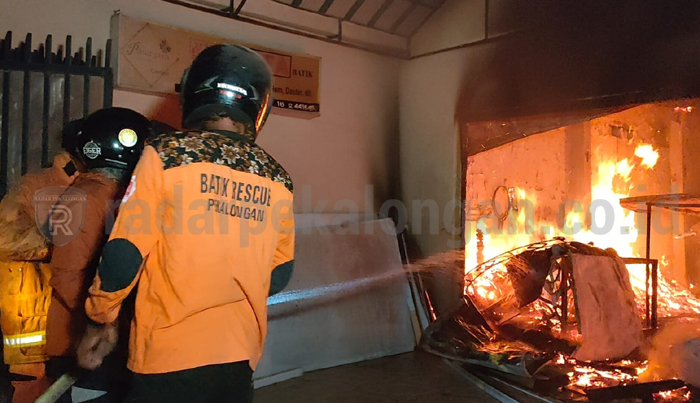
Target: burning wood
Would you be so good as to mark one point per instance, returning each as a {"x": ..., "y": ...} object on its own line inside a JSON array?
[
  {"x": 540, "y": 287},
  {"x": 502, "y": 328},
  {"x": 680, "y": 395}
]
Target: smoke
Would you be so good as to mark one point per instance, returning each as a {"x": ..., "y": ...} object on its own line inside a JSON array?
[
  {"x": 675, "y": 353},
  {"x": 556, "y": 57}
]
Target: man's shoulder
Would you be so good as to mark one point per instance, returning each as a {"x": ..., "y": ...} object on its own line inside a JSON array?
[
  {"x": 260, "y": 162},
  {"x": 165, "y": 140},
  {"x": 95, "y": 183},
  {"x": 187, "y": 147},
  {"x": 181, "y": 148}
]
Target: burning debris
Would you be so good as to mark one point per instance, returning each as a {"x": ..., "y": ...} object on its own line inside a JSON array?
[
  {"x": 557, "y": 316},
  {"x": 554, "y": 302}
]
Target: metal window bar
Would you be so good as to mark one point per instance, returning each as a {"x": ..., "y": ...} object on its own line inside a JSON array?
[{"x": 41, "y": 83}]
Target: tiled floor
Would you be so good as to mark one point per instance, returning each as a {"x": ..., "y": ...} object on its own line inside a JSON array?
[{"x": 408, "y": 378}]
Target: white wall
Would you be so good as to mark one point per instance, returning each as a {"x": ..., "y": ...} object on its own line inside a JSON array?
[
  {"x": 456, "y": 23},
  {"x": 430, "y": 142},
  {"x": 430, "y": 162},
  {"x": 429, "y": 89},
  {"x": 350, "y": 146}
]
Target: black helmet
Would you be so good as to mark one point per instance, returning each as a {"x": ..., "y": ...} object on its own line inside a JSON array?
[
  {"x": 228, "y": 79},
  {"x": 113, "y": 137}
]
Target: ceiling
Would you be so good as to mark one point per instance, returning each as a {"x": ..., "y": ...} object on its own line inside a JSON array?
[
  {"x": 381, "y": 26},
  {"x": 397, "y": 17}
]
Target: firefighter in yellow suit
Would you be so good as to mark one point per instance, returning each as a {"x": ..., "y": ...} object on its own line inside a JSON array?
[
  {"x": 205, "y": 233},
  {"x": 25, "y": 293}
]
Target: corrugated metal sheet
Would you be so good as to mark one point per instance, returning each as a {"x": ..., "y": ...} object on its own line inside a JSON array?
[
  {"x": 347, "y": 302},
  {"x": 366, "y": 11},
  {"x": 312, "y": 5},
  {"x": 337, "y": 8},
  {"x": 398, "y": 17},
  {"x": 380, "y": 26},
  {"x": 393, "y": 13}
]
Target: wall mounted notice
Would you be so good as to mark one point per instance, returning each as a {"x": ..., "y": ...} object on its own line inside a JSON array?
[{"x": 151, "y": 57}]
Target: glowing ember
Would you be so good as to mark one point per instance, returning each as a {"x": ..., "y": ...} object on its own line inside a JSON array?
[
  {"x": 686, "y": 109},
  {"x": 648, "y": 154},
  {"x": 560, "y": 359},
  {"x": 585, "y": 377},
  {"x": 673, "y": 396},
  {"x": 641, "y": 368}
]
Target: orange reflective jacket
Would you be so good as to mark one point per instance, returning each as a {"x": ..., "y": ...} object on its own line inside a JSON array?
[
  {"x": 210, "y": 215},
  {"x": 73, "y": 263}
]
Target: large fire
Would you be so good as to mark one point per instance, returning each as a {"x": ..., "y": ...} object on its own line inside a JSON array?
[{"x": 611, "y": 181}]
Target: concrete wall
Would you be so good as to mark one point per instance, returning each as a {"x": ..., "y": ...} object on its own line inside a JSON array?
[
  {"x": 456, "y": 23},
  {"x": 430, "y": 143},
  {"x": 333, "y": 157},
  {"x": 690, "y": 183}
]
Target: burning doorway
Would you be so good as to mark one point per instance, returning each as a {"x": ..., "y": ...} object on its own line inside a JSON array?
[
  {"x": 559, "y": 273},
  {"x": 568, "y": 182}
]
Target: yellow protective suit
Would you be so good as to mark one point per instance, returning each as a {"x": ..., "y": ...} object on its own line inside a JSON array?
[{"x": 25, "y": 293}]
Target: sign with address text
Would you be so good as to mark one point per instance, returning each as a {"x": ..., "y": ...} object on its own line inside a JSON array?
[{"x": 152, "y": 57}]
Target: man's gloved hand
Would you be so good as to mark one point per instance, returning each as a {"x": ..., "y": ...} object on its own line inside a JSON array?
[{"x": 97, "y": 343}]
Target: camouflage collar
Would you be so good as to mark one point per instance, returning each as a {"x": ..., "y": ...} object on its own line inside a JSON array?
[{"x": 249, "y": 137}]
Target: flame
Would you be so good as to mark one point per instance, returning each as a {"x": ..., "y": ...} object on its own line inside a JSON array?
[
  {"x": 624, "y": 168},
  {"x": 648, "y": 155},
  {"x": 585, "y": 376},
  {"x": 612, "y": 181},
  {"x": 641, "y": 368}
]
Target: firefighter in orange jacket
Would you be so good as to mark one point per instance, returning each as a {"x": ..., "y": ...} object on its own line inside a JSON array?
[
  {"x": 110, "y": 142},
  {"x": 206, "y": 232}
]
